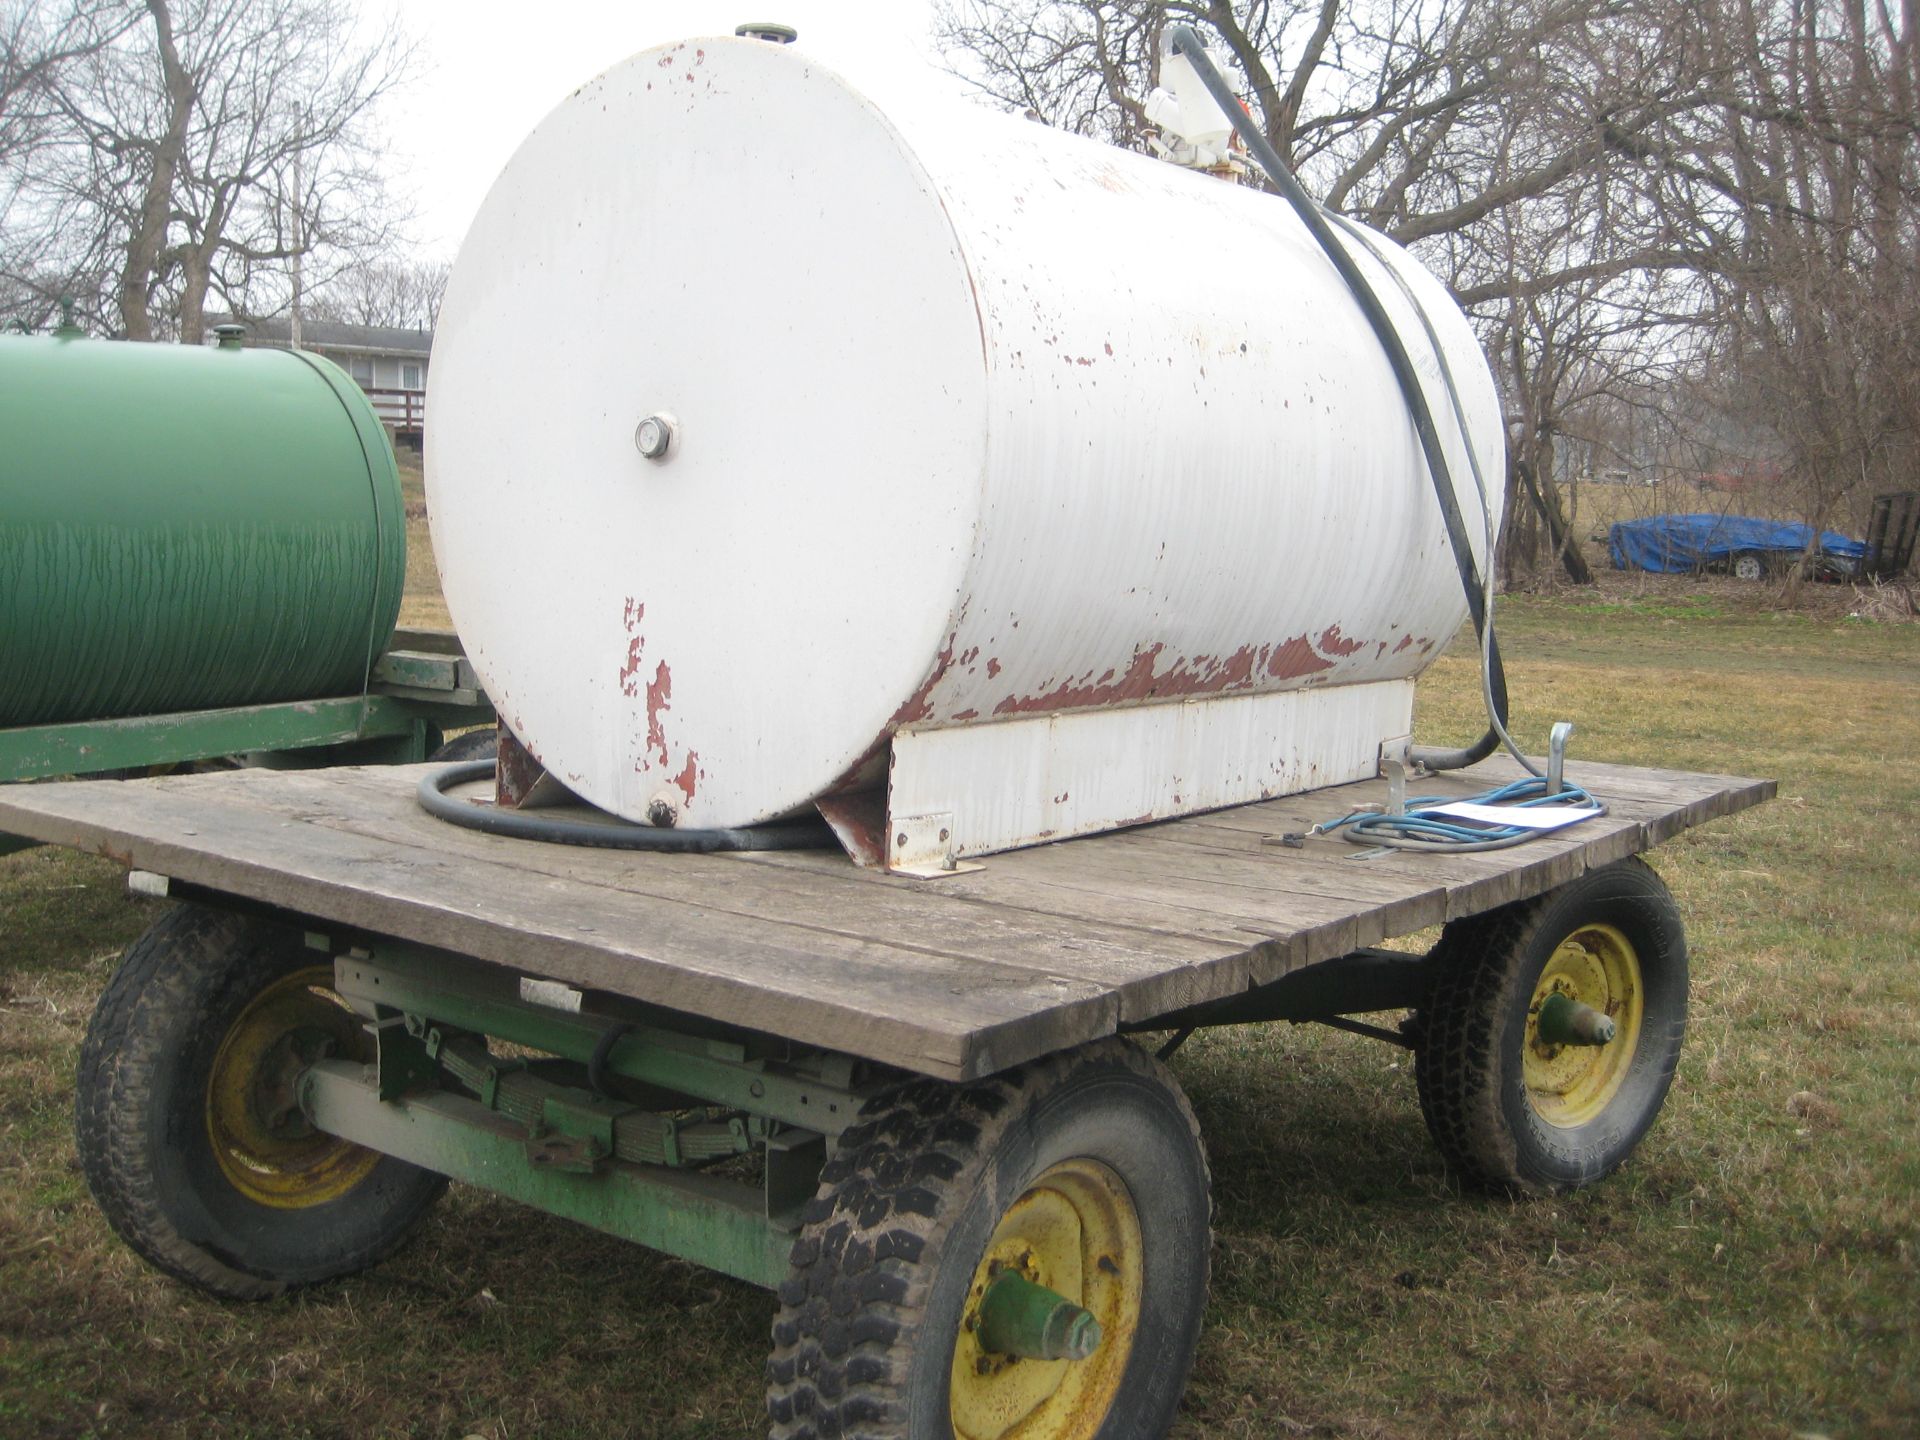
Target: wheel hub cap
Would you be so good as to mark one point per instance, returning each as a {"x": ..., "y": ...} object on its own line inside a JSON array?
[
  {"x": 1583, "y": 1026},
  {"x": 262, "y": 1142},
  {"x": 1061, "y": 1275}
]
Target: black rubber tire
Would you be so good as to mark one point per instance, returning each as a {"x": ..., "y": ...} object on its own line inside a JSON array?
[
  {"x": 1472, "y": 1033},
  {"x": 908, "y": 1200},
  {"x": 141, "y": 1129},
  {"x": 474, "y": 745}
]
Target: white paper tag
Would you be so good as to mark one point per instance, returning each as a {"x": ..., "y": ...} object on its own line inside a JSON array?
[
  {"x": 550, "y": 993},
  {"x": 1521, "y": 817}
]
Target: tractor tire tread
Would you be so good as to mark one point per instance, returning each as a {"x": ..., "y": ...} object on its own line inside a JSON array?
[
  {"x": 873, "y": 1234},
  {"x": 173, "y": 982}
]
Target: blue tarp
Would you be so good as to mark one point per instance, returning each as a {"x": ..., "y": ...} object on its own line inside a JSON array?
[{"x": 1677, "y": 543}]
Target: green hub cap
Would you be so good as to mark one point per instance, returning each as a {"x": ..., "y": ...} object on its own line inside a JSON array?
[{"x": 1020, "y": 1318}]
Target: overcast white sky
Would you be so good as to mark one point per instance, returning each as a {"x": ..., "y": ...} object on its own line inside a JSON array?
[{"x": 491, "y": 71}]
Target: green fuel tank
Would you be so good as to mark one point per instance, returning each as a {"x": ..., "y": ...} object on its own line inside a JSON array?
[{"x": 187, "y": 527}]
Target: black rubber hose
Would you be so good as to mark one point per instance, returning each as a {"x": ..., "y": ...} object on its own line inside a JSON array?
[
  {"x": 524, "y": 825},
  {"x": 1187, "y": 43}
]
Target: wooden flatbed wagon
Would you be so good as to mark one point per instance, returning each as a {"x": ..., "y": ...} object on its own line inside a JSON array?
[{"x": 906, "y": 1106}]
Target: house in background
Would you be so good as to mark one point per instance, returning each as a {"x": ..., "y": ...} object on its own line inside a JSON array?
[{"x": 388, "y": 362}]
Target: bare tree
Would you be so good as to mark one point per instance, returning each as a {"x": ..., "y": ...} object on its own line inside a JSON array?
[
  {"x": 1505, "y": 142},
  {"x": 1632, "y": 198},
  {"x": 385, "y": 292},
  {"x": 204, "y": 148},
  {"x": 1821, "y": 146},
  {"x": 40, "y": 45},
  {"x": 37, "y": 42}
]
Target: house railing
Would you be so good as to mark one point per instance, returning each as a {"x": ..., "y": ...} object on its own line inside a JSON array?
[{"x": 402, "y": 411}]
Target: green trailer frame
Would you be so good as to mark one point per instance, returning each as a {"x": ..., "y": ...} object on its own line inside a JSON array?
[{"x": 420, "y": 688}]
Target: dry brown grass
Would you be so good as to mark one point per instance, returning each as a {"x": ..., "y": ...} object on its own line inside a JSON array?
[{"x": 420, "y": 604}]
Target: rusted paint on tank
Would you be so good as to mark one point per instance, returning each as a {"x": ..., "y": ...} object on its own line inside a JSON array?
[
  {"x": 1293, "y": 659},
  {"x": 919, "y": 705},
  {"x": 630, "y": 619},
  {"x": 993, "y": 668},
  {"x": 659, "y": 701},
  {"x": 516, "y": 772},
  {"x": 864, "y": 772},
  {"x": 860, "y": 823},
  {"x": 1332, "y": 642},
  {"x": 690, "y": 775},
  {"x": 1405, "y": 641}
]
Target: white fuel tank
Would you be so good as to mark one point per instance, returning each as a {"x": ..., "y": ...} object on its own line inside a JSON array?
[{"x": 967, "y": 420}]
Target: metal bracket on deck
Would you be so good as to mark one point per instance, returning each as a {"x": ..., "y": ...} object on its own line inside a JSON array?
[
  {"x": 922, "y": 846},
  {"x": 1396, "y": 786},
  {"x": 1557, "y": 755},
  {"x": 1396, "y": 750}
]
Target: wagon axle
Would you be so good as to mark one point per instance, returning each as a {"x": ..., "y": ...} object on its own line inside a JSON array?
[{"x": 1031, "y": 1322}]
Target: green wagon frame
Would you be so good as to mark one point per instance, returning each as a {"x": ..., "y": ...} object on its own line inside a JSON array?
[{"x": 419, "y": 688}]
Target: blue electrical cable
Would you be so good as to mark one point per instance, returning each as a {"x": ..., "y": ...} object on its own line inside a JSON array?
[{"x": 1420, "y": 828}]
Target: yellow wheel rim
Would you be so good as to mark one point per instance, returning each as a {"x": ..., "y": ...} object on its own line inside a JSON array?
[
  {"x": 1076, "y": 1232},
  {"x": 262, "y": 1142},
  {"x": 1569, "y": 1085}
]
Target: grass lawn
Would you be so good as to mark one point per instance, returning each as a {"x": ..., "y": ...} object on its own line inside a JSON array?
[{"x": 1751, "y": 1272}]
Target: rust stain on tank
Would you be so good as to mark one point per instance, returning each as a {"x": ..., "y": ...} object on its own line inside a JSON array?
[
  {"x": 1201, "y": 675},
  {"x": 630, "y": 618},
  {"x": 689, "y": 775},
  {"x": 659, "y": 700},
  {"x": 1238, "y": 667},
  {"x": 1293, "y": 659},
  {"x": 919, "y": 705},
  {"x": 993, "y": 668},
  {"x": 1334, "y": 643},
  {"x": 1136, "y": 684},
  {"x": 1405, "y": 641}
]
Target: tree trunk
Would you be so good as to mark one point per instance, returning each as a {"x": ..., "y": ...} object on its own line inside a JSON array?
[
  {"x": 1548, "y": 506},
  {"x": 144, "y": 247}
]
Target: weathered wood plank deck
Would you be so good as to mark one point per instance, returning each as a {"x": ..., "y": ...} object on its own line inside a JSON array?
[{"x": 953, "y": 977}]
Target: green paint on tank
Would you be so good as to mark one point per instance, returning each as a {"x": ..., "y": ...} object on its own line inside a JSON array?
[{"x": 185, "y": 527}]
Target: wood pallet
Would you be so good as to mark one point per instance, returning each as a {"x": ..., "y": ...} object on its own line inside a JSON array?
[{"x": 953, "y": 978}]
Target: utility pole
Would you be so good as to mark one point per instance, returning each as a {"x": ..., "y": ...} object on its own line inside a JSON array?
[{"x": 299, "y": 251}]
